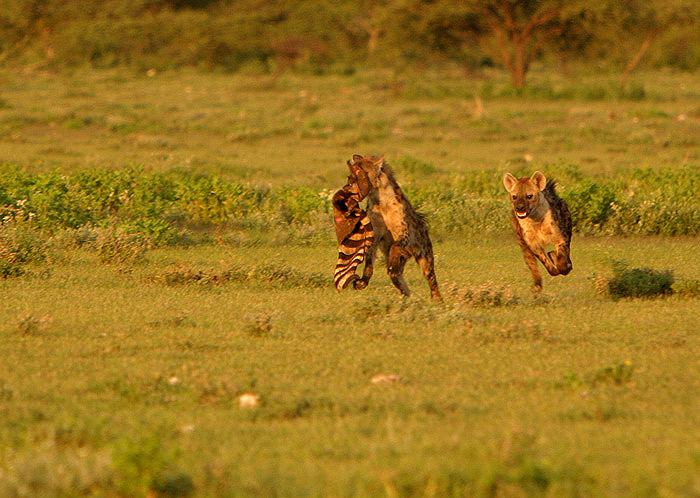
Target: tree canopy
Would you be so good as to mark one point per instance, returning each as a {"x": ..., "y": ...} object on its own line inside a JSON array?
[{"x": 273, "y": 35}]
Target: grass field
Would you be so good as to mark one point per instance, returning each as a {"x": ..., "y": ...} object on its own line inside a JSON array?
[{"x": 122, "y": 378}]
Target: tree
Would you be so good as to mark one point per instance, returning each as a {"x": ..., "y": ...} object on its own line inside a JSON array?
[
  {"x": 642, "y": 20},
  {"x": 512, "y": 32},
  {"x": 520, "y": 29}
]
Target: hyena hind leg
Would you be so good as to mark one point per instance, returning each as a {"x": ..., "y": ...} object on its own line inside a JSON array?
[
  {"x": 427, "y": 266},
  {"x": 531, "y": 262},
  {"x": 396, "y": 261}
]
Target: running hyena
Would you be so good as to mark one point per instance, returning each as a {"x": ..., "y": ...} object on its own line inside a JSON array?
[
  {"x": 399, "y": 231},
  {"x": 540, "y": 219}
]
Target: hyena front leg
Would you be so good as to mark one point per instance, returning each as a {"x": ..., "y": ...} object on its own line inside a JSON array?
[
  {"x": 531, "y": 261},
  {"x": 427, "y": 266},
  {"x": 548, "y": 260},
  {"x": 561, "y": 258},
  {"x": 395, "y": 261}
]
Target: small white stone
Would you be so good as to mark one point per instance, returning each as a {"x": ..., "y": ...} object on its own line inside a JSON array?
[
  {"x": 248, "y": 400},
  {"x": 385, "y": 379}
]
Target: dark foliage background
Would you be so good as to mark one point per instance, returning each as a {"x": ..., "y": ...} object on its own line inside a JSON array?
[{"x": 326, "y": 35}]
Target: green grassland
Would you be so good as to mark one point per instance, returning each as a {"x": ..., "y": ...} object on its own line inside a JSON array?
[{"x": 135, "y": 310}]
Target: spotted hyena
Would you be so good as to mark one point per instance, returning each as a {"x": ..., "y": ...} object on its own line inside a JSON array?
[
  {"x": 540, "y": 219},
  {"x": 399, "y": 231}
]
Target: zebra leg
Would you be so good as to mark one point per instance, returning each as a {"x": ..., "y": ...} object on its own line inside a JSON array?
[{"x": 368, "y": 270}]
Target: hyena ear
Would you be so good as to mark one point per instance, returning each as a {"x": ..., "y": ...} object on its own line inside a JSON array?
[
  {"x": 509, "y": 181},
  {"x": 356, "y": 158},
  {"x": 539, "y": 180},
  {"x": 379, "y": 162}
]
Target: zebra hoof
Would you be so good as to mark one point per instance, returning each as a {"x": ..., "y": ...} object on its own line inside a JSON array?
[{"x": 359, "y": 284}]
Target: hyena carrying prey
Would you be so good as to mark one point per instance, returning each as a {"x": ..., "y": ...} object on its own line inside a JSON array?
[
  {"x": 399, "y": 231},
  {"x": 540, "y": 218}
]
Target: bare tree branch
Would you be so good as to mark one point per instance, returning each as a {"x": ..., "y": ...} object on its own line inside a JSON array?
[
  {"x": 540, "y": 19},
  {"x": 638, "y": 56},
  {"x": 556, "y": 31}
]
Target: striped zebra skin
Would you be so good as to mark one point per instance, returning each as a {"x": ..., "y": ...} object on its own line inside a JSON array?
[
  {"x": 352, "y": 227},
  {"x": 352, "y": 252}
]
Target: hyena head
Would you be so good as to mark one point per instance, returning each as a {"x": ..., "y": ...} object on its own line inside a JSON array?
[
  {"x": 371, "y": 165},
  {"x": 358, "y": 180},
  {"x": 525, "y": 192}
]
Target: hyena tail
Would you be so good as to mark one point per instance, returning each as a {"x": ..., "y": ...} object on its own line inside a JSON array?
[{"x": 352, "y": 253}]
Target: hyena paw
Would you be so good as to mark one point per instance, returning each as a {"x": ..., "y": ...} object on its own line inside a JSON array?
[
  {"x": 561, "y": 262},
  {"x": 536, "y": 288},
  {"x": 554, "y": 268},
  {"x": 566, "y": 269}
]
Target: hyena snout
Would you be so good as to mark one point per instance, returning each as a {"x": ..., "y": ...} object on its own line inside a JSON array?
[
  {"x": 521, "y": 210},
  {"x": 524, "y": 206}
]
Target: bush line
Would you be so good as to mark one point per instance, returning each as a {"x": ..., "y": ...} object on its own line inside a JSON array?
[{"x": 160, "y": 205}]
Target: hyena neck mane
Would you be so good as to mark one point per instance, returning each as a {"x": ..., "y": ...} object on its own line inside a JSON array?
[
  {"x": 387, "y": 186},
  {"x": 548, "y": 201},
  {"x": 537, "y": 215},
  {"x": 385, "y": 192},
  {"x": 548, "y": 197},
  {"x": 551, "y": 188}
]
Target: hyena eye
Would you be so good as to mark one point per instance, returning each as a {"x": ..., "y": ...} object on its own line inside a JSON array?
[{"x": 529, "y": 196}]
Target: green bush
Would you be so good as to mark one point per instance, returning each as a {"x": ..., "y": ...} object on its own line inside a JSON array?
[
  {"x": 298, "y": 204},
  {"x": 639, "y": 282},
  {"x": 160, "y": 207},
  {"x": 592, "y": 204}
]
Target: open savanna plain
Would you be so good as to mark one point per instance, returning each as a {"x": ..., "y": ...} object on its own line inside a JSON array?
[{"x": 167, "y": 246}]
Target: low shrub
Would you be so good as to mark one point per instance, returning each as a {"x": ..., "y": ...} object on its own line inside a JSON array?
[
  {"x": 639, "y": 282},
  {"x": 20, "y": 243},
  {"x": 687, "y": 288},
  {"x": 259, "y": 325},
  {"x": 619, "y": 374},
  {"x": 115, "y": 247},
  {"x": 269, "y": 274},
  {"x": 485, "y": 295}
]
